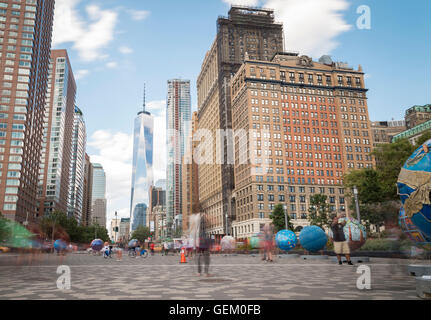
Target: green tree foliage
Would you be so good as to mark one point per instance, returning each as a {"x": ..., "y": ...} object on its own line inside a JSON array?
[
  {"x": 369, "y": 184},
  {"x": 4, "y": 231},
  {"x": 423, "y": 138},
  {"x": 64, "y": 225},
  {"x": 389, "y": 160},
  {"x": 141, "y": 233},
  {"x": 278, "y": 219},
  {"x": 319, "y": 214}
]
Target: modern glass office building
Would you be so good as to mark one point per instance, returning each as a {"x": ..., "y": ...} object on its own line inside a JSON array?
[
  {"x": 98, "y": 195},
  {"x": 178, "y": 116},
  {"x": 142, "y": 174}
]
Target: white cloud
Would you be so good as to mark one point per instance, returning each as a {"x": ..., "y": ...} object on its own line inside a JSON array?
[
  {"x": 139, "y": 15},
  {"x": 125, "y": 50},
  {"x": 310, "y": 26},
  {"x": 89, "y": 36},
  {"x": 242, "y": 2},
  {"x": 81, "y": 74},
  {"x": 114, "y": 151},
  {"x": 157, "y": 108},
  {"x": 112, "y": 65}
]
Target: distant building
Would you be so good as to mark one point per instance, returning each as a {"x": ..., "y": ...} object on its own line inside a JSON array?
[
  {"x": 113, "y": 234},
  {"x": 98, "y": 195},
  {"x": 142, "y": 174},
  {"x": 417, "y": 115},
  {"x": 124, "y": 231},
  {"x": 77, "y": 167},
  {"x": 87, "y": 196},
  {"x": 384, "y": 131},
  {"x": 56, "y": 152},
  {"x": 177, "y": 122},
  {"x": 190, "y": 183},
  {"x": 413, "y": 134}
]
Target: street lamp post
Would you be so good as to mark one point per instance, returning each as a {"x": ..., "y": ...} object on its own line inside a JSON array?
[
  {"x": 285, "y": 215},
  {"x": 355, "y": 192}
]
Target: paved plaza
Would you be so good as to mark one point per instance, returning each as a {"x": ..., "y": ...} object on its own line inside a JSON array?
[{"x": 232, "y": 277}]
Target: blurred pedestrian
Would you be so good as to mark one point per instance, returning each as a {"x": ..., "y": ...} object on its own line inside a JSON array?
[
  {"x": 119, "y": 252},
  {"x": 152, "y": 248},
  {"x": 341, "y": 246},
  {"x": 203, "y": 247},
  {"x": 268, "y": 232}
]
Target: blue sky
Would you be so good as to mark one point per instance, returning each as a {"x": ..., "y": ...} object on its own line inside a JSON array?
[{"x": 117, "y": 45}]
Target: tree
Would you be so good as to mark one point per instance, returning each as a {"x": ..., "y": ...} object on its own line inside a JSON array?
[
  {"x": 368, "y": 183},
  {"x": 278, "y": 218},
  {"x": 141, "y": 233},
  {"x": 4, "y": 230},
  {"x": 423, "y": 138},
  {"x": 389, "y": 160},
  {"x": 319, "y": 211}
]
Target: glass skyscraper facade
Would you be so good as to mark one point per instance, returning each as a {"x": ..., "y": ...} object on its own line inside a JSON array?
[
  {"x": 142, "y": 172},
  {"x": 98, "y": 193},
  {"x": 178, "y": 116}
]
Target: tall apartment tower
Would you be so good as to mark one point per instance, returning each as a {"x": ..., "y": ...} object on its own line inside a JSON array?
[
  {"x": 245, "y": 32},
  {"x": 77, "y": 167},
  {"x": 304, "y": 125},
  {"x": 55, "y": 159},
  {"x": 25, "y": 42},
  {"x": 88, "y": 186},
  {"x": 142, "y": 174},
  {"x": 98, "y": 195},
  {"x": 178, "y": 117},
  {"x": 190, "y": 181}
]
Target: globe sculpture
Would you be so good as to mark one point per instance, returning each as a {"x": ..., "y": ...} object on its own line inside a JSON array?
[
  {"x": 255, "y": 241},
  {"x": 96, "y": 244},
  {"x": 412, "y": 232},
  {"x": 313, "y": 238},
  {"x": 414, "y": 187},
  {"x": 133, "y": 243},
  {"x": 285, "y": 240},
  {"x": 59, "y": 245},
  {"x": 354, "y": 232},
  {"x": 228, "y": 243}
]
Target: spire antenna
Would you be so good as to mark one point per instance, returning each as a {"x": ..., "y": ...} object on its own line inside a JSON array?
[{"x": 144, "y": 98}]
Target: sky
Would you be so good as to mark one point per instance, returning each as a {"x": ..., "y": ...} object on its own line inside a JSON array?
[{"x": 115, "y": 46}]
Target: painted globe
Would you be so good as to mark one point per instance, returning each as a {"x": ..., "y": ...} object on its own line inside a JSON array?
[
  {"x": 96, "y": 244},
  {"x": 228, "y": 243},
  {"x": 59, "y": 245},
  {"x": 133, "y": 243},
  {"x": 354, "y": 232},
  {"x": 285, "y": 240},
  {"x": 412, "y": 232},
  {"x": 255, "y": 241},
  {"x": 313, "y": 238},
  {"x": 414, "y": 187}
]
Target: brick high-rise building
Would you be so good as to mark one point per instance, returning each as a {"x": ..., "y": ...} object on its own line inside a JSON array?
[
  {"x": 55, "y": 161},
  {"x": 25, "y": 42},
  {"x": 190, "y": 176},
  {"x": 246, "y": 31},
  {"x": 87, "y": 193},
  {"x": 309, "y": 126}
]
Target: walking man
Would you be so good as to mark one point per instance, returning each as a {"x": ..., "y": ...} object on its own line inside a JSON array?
[
  {"x": 341, "y": 246},
  {"x": 203, "y": 247}
]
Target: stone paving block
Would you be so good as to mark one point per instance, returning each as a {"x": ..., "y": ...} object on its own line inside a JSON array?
[{"x": 423, "y": 287}]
